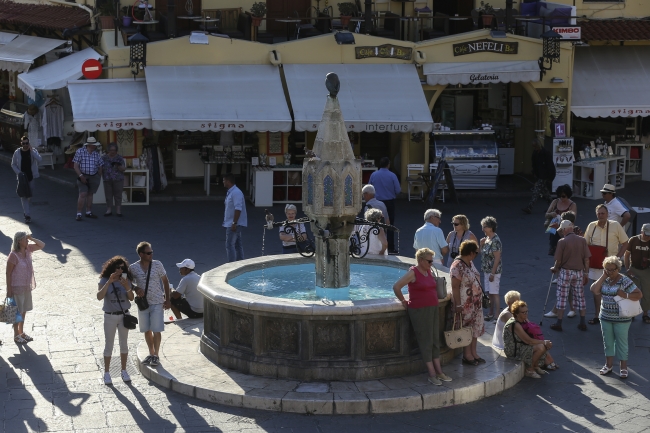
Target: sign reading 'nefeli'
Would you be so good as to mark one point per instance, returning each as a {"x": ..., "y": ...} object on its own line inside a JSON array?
[
  {"x": 384, "y": 51},
  {"x": 485, "y": 46}
]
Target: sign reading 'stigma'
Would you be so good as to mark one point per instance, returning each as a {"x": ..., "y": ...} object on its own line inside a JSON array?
[
  {"x": 384, "y": 51},
  {"x": 485, "y": 46}
]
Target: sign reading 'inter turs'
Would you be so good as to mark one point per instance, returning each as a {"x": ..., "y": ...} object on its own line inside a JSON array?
[
  {"x": 384, "y": 51},
  {"x": 485, "y": 46}
]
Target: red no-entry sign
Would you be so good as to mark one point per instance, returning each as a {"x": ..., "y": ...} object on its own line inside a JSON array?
[{"x": 91, "y": 69}]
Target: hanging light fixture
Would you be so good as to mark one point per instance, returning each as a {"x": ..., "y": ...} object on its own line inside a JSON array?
[
  {"x": 138, "y": 53},
  {"x": 540, "y": 117},
  {"x": 550, "y": 51}
]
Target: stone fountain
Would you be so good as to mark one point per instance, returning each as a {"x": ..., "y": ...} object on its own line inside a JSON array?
[{"x": 328, "y": 339}]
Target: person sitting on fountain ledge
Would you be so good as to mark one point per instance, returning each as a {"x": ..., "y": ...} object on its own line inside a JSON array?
[
  {"x": 368, "y": 194},
  {"x": 186, "y": 298}
]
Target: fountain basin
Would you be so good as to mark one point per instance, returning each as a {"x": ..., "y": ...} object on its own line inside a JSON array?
[{"x": 309, "y": 340}]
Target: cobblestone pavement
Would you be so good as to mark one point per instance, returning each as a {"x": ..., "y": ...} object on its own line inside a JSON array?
[{"x": 54, "y": 383}]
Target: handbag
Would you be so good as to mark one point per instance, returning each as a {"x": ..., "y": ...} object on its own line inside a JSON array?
[
  {"x": 129, "y": 320},
  {"x": 456, "y": 338},
  {"x": 598, "y": 253},
  {"x": 8, "y": 312},
  {"x": 441, "y": 284},
  {"x": 141, "y": 302},
  {"x": 628, "y": 308},
  {"x": 485, "y": 299}
]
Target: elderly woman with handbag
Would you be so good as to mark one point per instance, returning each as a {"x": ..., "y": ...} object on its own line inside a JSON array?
[
  {"x": 518, "y": 344},
  {"x": 21, "y": 281},
  {"x": 615, "y": 288},
  {"x": 467, "y": 297},
  {"x": 116, "y": 290},
  {"x": 422, "y": 307}
]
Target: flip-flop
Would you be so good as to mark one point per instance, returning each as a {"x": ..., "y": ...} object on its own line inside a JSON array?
[
  {"x": 594, "y": 321},
  {"x": 605, "y": 370},
  {"x": 552, "y": 366}
]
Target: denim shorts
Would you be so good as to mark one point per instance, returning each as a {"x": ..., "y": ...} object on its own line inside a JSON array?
[{"x": 152, "y": 319}]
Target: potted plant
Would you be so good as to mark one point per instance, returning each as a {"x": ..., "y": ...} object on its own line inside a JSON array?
[
  {"x": 346, "y": 10},
  {"x": 127, "y": 19},
  {"x": 258, "y": 10},
  {"x": 488, "y": 13},
  {"x": 107, "y": 14}
]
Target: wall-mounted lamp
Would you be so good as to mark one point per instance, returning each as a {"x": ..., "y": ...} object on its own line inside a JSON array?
[
  {"x": 550, "y": 51},
  {"x": 540, "y": 117},
  {"x": 137, "y": 53},
  {"x": 557, "y": 80},
  {"x": 344, "y": 38}
]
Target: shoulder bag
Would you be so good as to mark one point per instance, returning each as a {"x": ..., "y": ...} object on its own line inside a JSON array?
[
  {"x": 628, "y": 308},
  {"x": 441, "y": 284},
  {"x": 8, "y": 311},
  {"x": 485, "y": 300},
  {"x": 460, "y": 337},
  {"x": 129, "y": 320},
  {"x": 598, "y": 253},
  {"x": 141, "y": 302}
]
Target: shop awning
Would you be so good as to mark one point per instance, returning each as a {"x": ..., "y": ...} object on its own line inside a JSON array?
[
  {"x": 55, "y": 75},
  {"x": 611, "y": 81},
  {"x": 481, "y": 72},
  {"x": 109, "y": 105},
  {"x": 19, "y": 54},
  {"x": 5, "y": 37},
  {"x": 373, "y": 98},
  {"x": 217, "y": 98}
]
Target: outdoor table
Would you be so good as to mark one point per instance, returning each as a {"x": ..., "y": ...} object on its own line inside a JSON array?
[
  {"x": 403, "y": 11},
  {"x": 455, "y": 19},
  {"x": 287, "y": 22}
]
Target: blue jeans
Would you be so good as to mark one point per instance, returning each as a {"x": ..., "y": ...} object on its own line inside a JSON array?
[{"x": 234, "y": 246}]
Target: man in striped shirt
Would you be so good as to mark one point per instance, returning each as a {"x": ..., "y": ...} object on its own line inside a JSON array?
[{"x": 88, "y": 165}]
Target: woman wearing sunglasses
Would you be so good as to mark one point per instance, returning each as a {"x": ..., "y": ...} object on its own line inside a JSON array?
[
  {"x": 460, "y": 233},
  {"x": 615, "y": 328}
]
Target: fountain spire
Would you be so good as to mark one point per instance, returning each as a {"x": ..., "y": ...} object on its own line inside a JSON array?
[{"x": 331, "y": 194}]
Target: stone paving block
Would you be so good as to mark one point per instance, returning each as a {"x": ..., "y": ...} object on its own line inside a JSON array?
[
  {"x": 466, "y": 390},
  {"x": 351, "y": 403},
  {"x": 513, "y": 376},
  {"x": 435, "y": 397},
  {"x": 160, "y": 376},
  {"x": 266, "y": 399},
  {"x": 230, "y": 396},
  {"x": 494, "y": 386},
  {"x": 282, "y": 385},
  {"x": 395, "y": 400},
  {"x": 182, "y": 388},
  {"x": 343, "y": 387},
  {"x": 313, "y": 387},
  {"x": 396, "y": 383},
  {"x": 316, "y": 403},
  {"x": 371, "y": 385}
]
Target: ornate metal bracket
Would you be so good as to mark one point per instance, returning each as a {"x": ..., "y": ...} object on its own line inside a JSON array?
[
  {"x": 304, "y": 245},
  {"x": 360, "y": 239}
]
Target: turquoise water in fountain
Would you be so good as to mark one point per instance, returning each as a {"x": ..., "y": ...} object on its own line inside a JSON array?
[{"x": 298, "y": 282}]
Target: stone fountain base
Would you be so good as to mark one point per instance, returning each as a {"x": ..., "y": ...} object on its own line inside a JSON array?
[{"x": 309, "y": 340}]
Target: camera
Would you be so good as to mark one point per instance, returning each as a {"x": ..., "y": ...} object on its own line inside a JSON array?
[{"x": 454, "y": 255}]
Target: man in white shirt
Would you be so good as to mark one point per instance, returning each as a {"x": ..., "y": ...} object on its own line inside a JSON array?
[
  {"x": 234, "y": 219},
  {"x": 617, "y": 211},
  {"x": 186, "y": 298},
  {"x": 431, "y": 236}
]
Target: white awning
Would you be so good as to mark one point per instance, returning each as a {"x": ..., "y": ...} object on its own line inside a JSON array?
[
  {"x": 109, "y": 105},
  {"x": 217, "y": 98},
  {"x": 611, "y": 81},
  {"x": 5, "y": 37},
  {"x": 373, "y": 98},
  {"x": 19, "y": 54},
  {"x": 55, "y": 75},
  {"x": 481, "y": 72}
]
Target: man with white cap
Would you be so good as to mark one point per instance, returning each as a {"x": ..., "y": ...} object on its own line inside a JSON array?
[
  {"x": 617, "y": 210},
  {"x": 637, "y": 263},
  {"x": 572, "y": 262},
  {"x": 186, "y": 298},
  {"x": 88, "y": 165}
]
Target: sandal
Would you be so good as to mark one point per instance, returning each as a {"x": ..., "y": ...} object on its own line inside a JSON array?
[
  {"x": 605, "y": 370},
  {"x": 532, "y": 374},
  {"x": 20, "y": 340},
  {"x": 540, "y": 371},
  {"x": 594, "y": 321},
  {"x": 552, "y": 366},
  {"x": 645, "y": 319},
  {"x": 623, "y": 374},
  {"x": 473, "y": 362},
  {"x": 480, "y": 360},
  {"x": 27, "y": 337}
]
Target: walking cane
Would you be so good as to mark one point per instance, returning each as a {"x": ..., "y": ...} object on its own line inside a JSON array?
[{"x": 547, "y": 295}]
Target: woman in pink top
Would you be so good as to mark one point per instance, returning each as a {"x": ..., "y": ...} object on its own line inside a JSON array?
[
  {"x": 20, "y": 278},
  {"x": 422, "y": 307}
]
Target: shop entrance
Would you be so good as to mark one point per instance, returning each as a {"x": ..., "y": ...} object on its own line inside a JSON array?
[{"x": 281, "y": 9}]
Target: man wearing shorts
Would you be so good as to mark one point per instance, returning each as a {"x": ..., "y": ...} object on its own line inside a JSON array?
[
  {"x": 186, "y": 298},
  {"x": 572, "y": 261},
  {"x": 88, "y": 165},
  {"x": 151, "y": 320}
]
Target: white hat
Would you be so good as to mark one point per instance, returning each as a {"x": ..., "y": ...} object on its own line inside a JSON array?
[
  {"x": 91, "y": 141},
  {"x": 608, "y": 188},
  {"x": 187, "y": 263},
  {"x": 565, "y": 224}
]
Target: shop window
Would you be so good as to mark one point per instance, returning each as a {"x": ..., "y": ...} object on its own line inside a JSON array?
[
  {"x": 348, "y": 190},
  {"x": 310, "y": 189},
  {"x": 328, "y": 191}
]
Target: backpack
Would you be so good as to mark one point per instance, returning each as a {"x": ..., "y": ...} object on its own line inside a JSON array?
[
  {"x": 509, "y": 340},
  {"x": 533, "y": 329}
]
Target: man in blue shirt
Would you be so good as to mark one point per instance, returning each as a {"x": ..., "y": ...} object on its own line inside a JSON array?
[
  {"x": 234, "y": 219},
  {"x": 386, "y": 189},
  {"x": 431, "y": 236}
]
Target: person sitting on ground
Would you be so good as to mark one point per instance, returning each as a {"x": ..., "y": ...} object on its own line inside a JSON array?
[
  {"x": 186, "y": 298},
  {"x": 519, "y": 345}
]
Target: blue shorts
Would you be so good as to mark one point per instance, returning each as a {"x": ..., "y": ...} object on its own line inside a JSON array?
[{"x": 152, "y": 319}]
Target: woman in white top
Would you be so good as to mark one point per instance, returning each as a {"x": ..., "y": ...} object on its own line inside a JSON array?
[
  {"x": 287, "y": 238},
  {"x": 497, "y": 339},
  {"x": 377, "y": 243}
]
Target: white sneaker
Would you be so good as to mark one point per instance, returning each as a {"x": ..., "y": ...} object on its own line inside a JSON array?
[
  {"x": 554, "y": 281},
  {"x": 107, "y": 379},
  {"x": 550, "y": 314},
  {"x": 571, "y": 314},
  {"x": 125, "y": 376}
]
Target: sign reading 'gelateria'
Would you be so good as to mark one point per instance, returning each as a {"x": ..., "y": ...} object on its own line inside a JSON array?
[
  {"x": 485, "y": 46},
  {"x": 384, "y": 51}
]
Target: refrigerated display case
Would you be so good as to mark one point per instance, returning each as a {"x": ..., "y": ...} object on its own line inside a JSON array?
[{"x": 472, "y": 156}]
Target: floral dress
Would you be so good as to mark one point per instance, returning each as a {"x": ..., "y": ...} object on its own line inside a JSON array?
[
  {"x": 471, "y": 296},
  {"x": 487, "y": 254},
  {"x": 515, "y": 348},
  {"x": 109, "y": 172}
]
